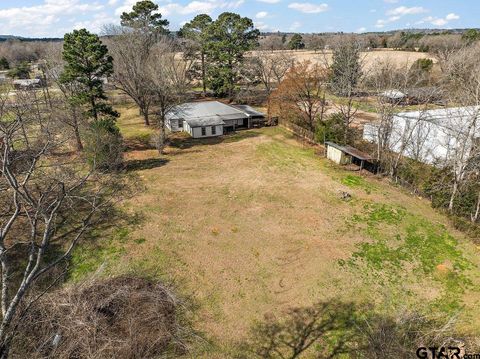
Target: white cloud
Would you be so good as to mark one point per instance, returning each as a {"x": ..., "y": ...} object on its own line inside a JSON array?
[
  {"x": 452, "y": 16},
  {"x": 380, "y": 23},
  {"x": 397, "y": 13},
  {"x": 439, "y": 21},
  {"x": 308, "y": 8},
  {"x": 403, "y": 10},
  {"x": 270, "y": 1},
  {"x": 43, "y": 19},
  {"x": 295, "y": 25},
  {"x": 261, "y": 25},
  {"x": 112, "y": 2},
  {"x": 196, "y": 6},
  {"x": 97, "y": 23},
  {"x": 261, "y": 14},
  {"x": 360, "y": 30}
]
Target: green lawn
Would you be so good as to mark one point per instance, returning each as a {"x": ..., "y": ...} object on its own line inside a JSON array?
[{"x": 253, "y": 223}]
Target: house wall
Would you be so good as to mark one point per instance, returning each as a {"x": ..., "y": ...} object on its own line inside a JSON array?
[
  {"x": 172, "y": 125},
  {"x": 337, "y": 156},
  {"x": 196, "y": 132},
  {"x": 234, "y": 122}
]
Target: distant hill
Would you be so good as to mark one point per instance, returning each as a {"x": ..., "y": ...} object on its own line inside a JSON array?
[{"x": 20, "y": 38}]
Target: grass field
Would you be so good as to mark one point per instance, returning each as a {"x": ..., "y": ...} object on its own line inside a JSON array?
[
  {"x": 369, "y": 59},
  {"x": 254, "y": 223}
]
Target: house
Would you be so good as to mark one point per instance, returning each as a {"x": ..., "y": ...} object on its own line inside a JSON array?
[
  {"x": 27, "y": 84},
  {"x": 211, "y": 118},
  {"x": 430, "y": 136},
  {"x": 393, "y": 96},
  {"x": 346, "y": 155}
]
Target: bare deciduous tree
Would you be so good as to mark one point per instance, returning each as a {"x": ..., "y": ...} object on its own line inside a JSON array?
[
  {"x": 48, "y": 203},
  {"x": 63, "y": 108},
  {"x": 269, "y": 69},
  {"x": 131, "y": 50},
  {"x": 300, "y": 98},
  {"x": 168, "y": 82},
  {"x": 462, "y": 77}
]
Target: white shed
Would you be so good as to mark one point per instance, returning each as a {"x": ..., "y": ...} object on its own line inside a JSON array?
[{"x": 345, "y": 155}]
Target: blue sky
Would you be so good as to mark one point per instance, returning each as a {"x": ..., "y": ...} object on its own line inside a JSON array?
[{"x": 47, "y": 18}]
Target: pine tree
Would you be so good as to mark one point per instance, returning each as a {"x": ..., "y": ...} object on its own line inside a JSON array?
[
  {"x": 144, "y": 17},
  {"x": 87, "y": 62},
  {"x": 230, "y": 36},
  {"x": 296, "y": 42},
  {"x": 197, "y": 31}
]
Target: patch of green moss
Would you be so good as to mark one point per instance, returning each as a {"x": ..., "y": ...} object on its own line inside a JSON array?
[{"x": 405, "y": 247}]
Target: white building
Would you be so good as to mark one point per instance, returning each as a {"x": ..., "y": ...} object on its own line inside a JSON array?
[
  {"x": 430, "y": 136},
  {"x": 211, "y": 118}
]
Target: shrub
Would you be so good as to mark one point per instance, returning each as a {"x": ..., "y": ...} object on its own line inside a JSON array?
[
  {"x": 332, "y": 129},
  {"x": 104, "y": 145},
  {"x": 20, "y": 71},
  {"x": 424, "y": 65},
  {"x": 4, "y": 64}
]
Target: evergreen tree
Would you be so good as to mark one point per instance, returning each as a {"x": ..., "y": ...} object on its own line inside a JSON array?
[
  {"x": 144, "y": 17},
  {"x": 296, "y": 42},
  {"x": 197, "y": 30},
  {"x": 87, "y": 62},
  {"x": 229, "y": 37},
  {"x": 4, "y": 64},
  {"x": 20, "y": 71}
]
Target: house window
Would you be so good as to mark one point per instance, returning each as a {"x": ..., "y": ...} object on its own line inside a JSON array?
[
  {"x": 214, "y": 130},
  {"x": 204, "y": 131},
  {"x": 180, "y": 124}
]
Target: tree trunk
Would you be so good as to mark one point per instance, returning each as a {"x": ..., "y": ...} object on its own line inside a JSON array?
[
  {"x": 476, "y": 215},
  {"x": 78, "y": 139},
  {"x": 453, "y": 196},
  {"x": 204, "y": 76},
  {"x": 146, "y": 117},
  {"x": 76, "y": 131}
]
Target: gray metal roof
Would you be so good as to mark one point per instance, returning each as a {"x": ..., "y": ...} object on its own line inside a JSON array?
[
  {"x": 393, "y": 94},
  {"x": 205, "y": 121},
  {"x": 352, "y": 151},
  {"x": 27, "y": 82},
  {"x": 444, "y": 117},
  {"x": 249, "y": 110},
  {"x": 200, "y": 110}
]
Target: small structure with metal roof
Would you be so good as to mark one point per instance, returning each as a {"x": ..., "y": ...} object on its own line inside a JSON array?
[
  {"x": 210, "y": 118},
  {"x": 27, "y": 84},
  {"x": 393, "y": 96},
  {"x": 346, "y": 155}
]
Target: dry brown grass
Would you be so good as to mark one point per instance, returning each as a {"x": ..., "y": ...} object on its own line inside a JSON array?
[
  {"x": 252, "y": 224},
  {"x": 370, "y": 58}
]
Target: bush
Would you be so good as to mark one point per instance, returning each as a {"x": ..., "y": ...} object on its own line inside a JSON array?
[
  {"x": 424, "y": 65},
  {"x": 120, "y": 317},
  {"x": 4, "y": 64},
  {"x": 104, "y": 145},
  {"x": 332, "y": 129},
  {"x": 21, "y": 71}
]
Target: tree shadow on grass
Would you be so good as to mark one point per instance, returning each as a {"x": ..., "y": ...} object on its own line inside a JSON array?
[
  {"x": 334, "y": 329},
  {"x": 145, "y": 164},
  {"x": 189, "y": 142}
]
